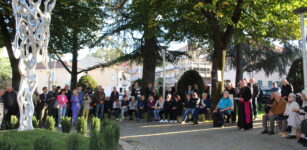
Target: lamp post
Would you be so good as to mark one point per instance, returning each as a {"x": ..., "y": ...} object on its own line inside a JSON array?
[
  {"x": 301, "y": 11},
  {"x": 163, "y": 74}
]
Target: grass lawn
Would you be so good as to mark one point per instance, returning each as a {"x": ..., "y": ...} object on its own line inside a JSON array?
[{"x": 25, "y": 140}]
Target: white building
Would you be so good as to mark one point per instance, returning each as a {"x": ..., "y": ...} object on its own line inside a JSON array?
[
  {"x": 200, "y": 63},
  {"x": 108, "y": 77}
]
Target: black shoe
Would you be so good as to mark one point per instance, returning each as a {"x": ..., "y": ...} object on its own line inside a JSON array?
[
  {"x": 271, "y": 133},
  {"x": 265, "y": 132},
  {"x": 291, "y": 137},
  {"x": 194, "y": 123},
  {"x": 301, "y": 140},
  {"x": 305, "y": 143}
]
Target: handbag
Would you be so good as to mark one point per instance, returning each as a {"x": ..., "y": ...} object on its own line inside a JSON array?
[{"x": 56, "y": 105}]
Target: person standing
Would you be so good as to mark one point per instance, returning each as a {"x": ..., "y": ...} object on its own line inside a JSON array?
[
  {"x": 232, "y": 94},
  {"x": 160, "y": 89},
  {"x": 43, "y": 106},
  {"x": 148, "y": 91},
  {"x": 52, "y": 95},
  {"x": 1, "y": 106},
  {"x": 10, "y": 103},
  {"x": 75, "y": 106},
  {"x": 275, "y": 88},
  {"x": 245, "y": 115},
  {"x": 136, "y": 91},
  {"x": 286, "y": 89},
  {"x": 86, "y": 105},
  {"x": 114, "y": 95},
  {"x": 62, "y": 100},
  {"x": 99, "y": 98},
  {"x": 255, "y": 94},
  {"x": 68, "y": 94}
]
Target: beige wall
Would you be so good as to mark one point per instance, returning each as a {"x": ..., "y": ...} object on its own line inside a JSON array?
[{"x": 62, "y": 77}]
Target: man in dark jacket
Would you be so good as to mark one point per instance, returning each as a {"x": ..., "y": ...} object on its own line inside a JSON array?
[
  {"x": 286, "y": 89},
  {"x": 255, "y": 94},
  {"x": 114, "y": 95},
  {"x": 43, "y": 104},
  {"x": 10, "y": 103}
]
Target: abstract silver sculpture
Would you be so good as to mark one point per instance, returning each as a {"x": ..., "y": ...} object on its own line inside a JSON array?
[{"x": 30, "y": 43}]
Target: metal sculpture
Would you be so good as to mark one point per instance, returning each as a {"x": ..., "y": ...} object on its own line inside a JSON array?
[{"x": 30, "y": 43}]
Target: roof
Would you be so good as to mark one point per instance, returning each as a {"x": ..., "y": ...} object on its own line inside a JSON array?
[
  {"x": 89, "y": 61},
  {"x": 52, "y": 64}
]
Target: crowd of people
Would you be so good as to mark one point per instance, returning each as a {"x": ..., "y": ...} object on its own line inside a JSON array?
[{"x": 237, "y": 104}]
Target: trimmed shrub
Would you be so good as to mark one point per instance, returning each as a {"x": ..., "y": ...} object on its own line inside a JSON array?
[
  {"x": 95, "y": 123},
  {"x": 87, "y": 81},
  {"x": 82, "y": 126},
  {"x": 14, "y": 122},
  {"x": 43, "y": 143},
  {"x": 74, "y": 142},
  {"x": 96, "y": 141},
  {"x": 50, "y": 123},
  {"x": 4, "y": 145},
  {"x": 190, "y": 77},
  {"x": 66, "y": 124},
  {"x": 35, "y": 122},
  {"x": 111, "y": 132},
  {"x": 296, "y": 75}
]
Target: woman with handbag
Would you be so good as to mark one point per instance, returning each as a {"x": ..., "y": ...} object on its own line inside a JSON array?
[
  {"x": 75, "y": 106},
  {"x": 61, "y": 101}
]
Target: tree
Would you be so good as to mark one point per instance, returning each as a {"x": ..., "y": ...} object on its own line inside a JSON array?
[
  {"x": 145, "y": 20},
  {"x": 296, "y": 75},
  {"x": 5, "y": 71},
  {"x": 189, "y": 77},
  {"x": 108, "y": 54},
  {"x": 87, "y": 81},
  {"x": 75, "y": 25},
  {"x": 7, "y": 30},
  {"x": 251, "y": 57},
  {"x": 215, "y": 23}
]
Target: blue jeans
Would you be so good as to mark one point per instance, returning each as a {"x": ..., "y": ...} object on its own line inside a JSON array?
[
  {"x": 187, "y": 112},
  {"x": 156, "y": 114},
  {"x": 197, "y": 112},
  {"x": 150, "y": 113},
  {"x": 99, "y": 111},
  {"x": 61, "y": 113}
]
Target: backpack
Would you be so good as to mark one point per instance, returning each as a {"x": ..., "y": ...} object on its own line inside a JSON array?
[{"x": 217, "y": 119}]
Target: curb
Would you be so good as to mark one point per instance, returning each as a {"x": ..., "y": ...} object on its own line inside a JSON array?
[{"x": 125, "y": 145}]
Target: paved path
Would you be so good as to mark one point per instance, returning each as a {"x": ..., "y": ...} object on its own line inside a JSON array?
[{"x": 156, "y": 136}]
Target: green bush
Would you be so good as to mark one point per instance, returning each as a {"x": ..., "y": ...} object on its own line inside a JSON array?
[
  {"x": 35, "y": 122},
  {"x": 97, "y": 141},
  {"x": 111, "y": 132},
  {"x": 296, "y": 75},
  {"x": 66, "y": 124},
  {"x": 5, "y": 145},
  {"x": 74, "y": 142},
  {"x": 43, "y": 143},
  {"x": 190, "y": 77},
  {"x": 50, "y": 123},
  {"x": 87, "y": 81},
  {"x": 14, "y": 122},
  {"x": 95, "y": 124},
  {"x": 81, "y": 126}
]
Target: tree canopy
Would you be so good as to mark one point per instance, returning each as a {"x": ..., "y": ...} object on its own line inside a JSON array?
[{"x": 75, "y": 25}]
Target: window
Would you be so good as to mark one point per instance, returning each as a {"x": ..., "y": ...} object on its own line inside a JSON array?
[
  {"x": 260, "y": 83},
  {"x": 270, "y": 83},
  {"x": 113, "y": 77}
]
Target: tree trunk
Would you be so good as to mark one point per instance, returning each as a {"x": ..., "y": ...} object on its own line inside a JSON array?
[
  {"x": 74, "y": 67},
  {"x": 149, "y": 62},
  {"x": 239, "y": 65},
  {"x": 218, "y": 64},
  {"x": 14, "y": 62}
]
